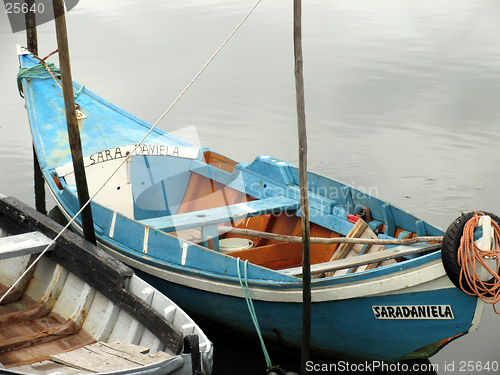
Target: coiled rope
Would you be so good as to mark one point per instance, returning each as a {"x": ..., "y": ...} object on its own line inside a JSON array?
[
  {"x": 42, "y": 70},
  {"x": 471, "y": 256},
  {"x": 36, "y": 71},
  {"x": 251, "y": 309}
]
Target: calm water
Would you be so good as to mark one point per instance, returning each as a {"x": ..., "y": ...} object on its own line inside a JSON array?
[{"x": 401, "y": 100}]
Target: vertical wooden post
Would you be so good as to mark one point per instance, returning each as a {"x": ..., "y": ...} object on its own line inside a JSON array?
[
  {"x": 72, "y": 122},
  {"x": 31, "y": 35},
  {"x": 32, "y": 45},
  {"x": 304, "y": 197}
]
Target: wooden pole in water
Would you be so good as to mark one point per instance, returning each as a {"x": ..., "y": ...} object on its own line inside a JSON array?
[
  {"x": 304, "y": 201},
  {"x": 31, "y": 35},
  {"x": 32, "y": 45},
  {"x": 72, "y": 122}
]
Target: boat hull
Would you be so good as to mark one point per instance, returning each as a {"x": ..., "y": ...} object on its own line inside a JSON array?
[
  {"x": 339, "y": 329},
  {"x": 105, "y": 302},
  {"x": 401, "y": 309},
  {"x": 344, "y": 323}
]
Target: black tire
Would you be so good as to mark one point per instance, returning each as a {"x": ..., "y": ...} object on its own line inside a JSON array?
[{"x": 450, "y": 245}]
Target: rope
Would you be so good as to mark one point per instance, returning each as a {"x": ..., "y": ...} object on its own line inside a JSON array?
[
  {"x": 469, "y": 255},
  {"x": 35, "y": 71},
  {"x": 79, "y": 91},
  {"x": 40, "y": 71},
  {"x": 251, "y": 309},
  {"x": 201, "y": 70}
]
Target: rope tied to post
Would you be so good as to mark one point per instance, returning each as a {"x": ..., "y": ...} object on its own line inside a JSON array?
[
  {"x": 470, "y": 256},
  {"x": 42, "y": 70},
  {"x": 36, "y": 71}
]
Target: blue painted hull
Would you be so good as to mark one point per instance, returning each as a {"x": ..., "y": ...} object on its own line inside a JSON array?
[
  {"x": 339, "y": 329},
  {"x": 384, "y": 313}
]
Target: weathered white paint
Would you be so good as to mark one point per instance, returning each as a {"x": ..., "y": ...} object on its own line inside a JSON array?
[{"x": 24, "y": 244}]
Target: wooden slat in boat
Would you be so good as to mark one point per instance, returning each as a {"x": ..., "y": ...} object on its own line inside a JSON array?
[
  {"x": 380, "y": 256},
  {"x": 23, "y": 244},
  {"x": 47, "y": 367},
  {"x": 347, "y": 250},
  {"x": 102, "y": 357}
]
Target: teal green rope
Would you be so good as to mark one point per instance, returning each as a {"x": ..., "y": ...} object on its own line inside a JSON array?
[
  {"x": 35, "y": 71},
  {"x": 39, "y": 71},
  {"x": 79, "y": 91},
  {"x": 251, "y": 309}
]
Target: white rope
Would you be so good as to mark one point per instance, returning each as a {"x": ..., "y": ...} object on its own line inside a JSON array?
[
  {"x": 202, "y": 69},
  {"x": 125, "y": 159}
]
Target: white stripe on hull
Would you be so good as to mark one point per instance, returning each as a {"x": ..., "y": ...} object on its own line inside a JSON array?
[
  {"x": 399, "y": 283},
  {"x": 429, "y": 276}
]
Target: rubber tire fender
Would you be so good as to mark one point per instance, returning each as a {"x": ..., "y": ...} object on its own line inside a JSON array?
[{"x": 450, "y": 245}]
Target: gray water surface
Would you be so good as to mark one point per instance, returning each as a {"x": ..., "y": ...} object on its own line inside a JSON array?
[{"x": 401, "y": 101}]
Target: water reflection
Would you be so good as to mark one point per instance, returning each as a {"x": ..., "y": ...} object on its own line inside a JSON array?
[{"x": 401, "y": 100}]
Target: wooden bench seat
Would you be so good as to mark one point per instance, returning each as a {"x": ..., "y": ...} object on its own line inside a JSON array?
[
  {"x": 210, "y": 218},
  {"x": 23, "y": 244}
]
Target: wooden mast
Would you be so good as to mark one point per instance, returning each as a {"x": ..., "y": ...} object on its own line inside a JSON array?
[
  {"x": 72, "y": 122},
  {"x": 304, "y": 201}
]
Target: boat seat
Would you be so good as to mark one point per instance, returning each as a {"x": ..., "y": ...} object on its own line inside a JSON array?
[
  {"x": 24, "y": 244},
  {"x": 210, "y": 218}
]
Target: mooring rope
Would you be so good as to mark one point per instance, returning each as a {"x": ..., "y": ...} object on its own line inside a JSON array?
[
  {"x": 36, "y": 71},
  {"x": 469, "y": 255},
  {"x": 251, "y": 309},
  {"x": 42, "y": 70}
]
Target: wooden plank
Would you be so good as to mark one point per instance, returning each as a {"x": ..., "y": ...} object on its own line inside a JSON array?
[
  {"x": 359, "y": 249},
  {"x": 395, "y": 252},
  {"x": 23, "y": 244},
  {"x": 363, "y": 231},
  {"x": 41, "y": 351},
  {"x": 126, "y": 347},
  {"x": 344, "y": 249},
  {"x": 90, "y": 358},
  {"x": 133, "y": 353},
  {"x": 30, "y": 338},
  {"x": 221, "y": 214},
  {"x": 34, "y": 311},
  {"x": 101, "y": 357},
  {"x": 47, "y": 367}
]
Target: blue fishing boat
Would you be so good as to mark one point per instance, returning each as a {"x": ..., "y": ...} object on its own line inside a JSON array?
[{"x": 206, "y": 229}]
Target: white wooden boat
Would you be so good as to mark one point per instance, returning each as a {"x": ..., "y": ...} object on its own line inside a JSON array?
[{"x": 81, "y": 311}]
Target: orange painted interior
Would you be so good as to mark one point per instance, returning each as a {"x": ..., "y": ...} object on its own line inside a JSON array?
[
  {"x": 278, "y": 255},
  {"x": 219, "y": 161},
  {"x": 203, "y": 193}
]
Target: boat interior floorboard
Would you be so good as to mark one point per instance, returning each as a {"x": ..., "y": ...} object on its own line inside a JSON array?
[{"x": 97, "y": 357}]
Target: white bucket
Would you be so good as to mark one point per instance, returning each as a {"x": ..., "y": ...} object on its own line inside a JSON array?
[{"x": 227, "y": 245}]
